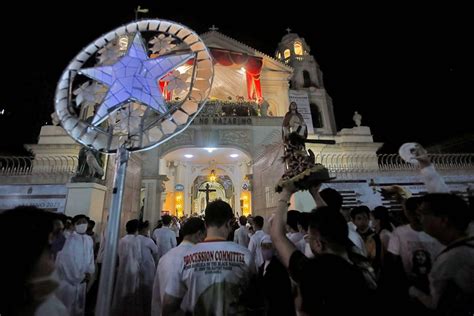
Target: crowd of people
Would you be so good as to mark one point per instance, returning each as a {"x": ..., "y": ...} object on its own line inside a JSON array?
[{"x": 330, "y": 261}]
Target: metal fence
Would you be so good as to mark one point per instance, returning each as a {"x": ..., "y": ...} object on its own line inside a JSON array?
[
  {"x": 335, "y": 162},
  {"x": 356, "y": 162},
  {"x": 42, "y": 166}
]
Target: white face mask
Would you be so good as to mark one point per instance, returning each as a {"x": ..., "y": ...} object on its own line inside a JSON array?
[
  {"x": 307, "y": 251},
  {"x": 81, "y": 228}
]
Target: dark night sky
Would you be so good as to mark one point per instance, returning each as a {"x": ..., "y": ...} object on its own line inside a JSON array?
[{"x": 405, "y": 69}]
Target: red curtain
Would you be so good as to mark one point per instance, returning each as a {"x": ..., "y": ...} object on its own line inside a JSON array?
[
  {"x": 164, "y": 91},
  {"x": 253, "y": 67},
  {"x": 252, "y": 64}
]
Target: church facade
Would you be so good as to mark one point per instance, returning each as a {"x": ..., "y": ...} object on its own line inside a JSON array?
[{"x": 232, "y": 149}]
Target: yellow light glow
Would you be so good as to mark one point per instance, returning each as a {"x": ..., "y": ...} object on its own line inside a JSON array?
[
  {"x": 212, "y": 176},
  {"x": 178, "y": 201},
  {"x": 286, "y": 53},
  {"x": 245, "y": 200},
  {"x": 298, "y": 48}
]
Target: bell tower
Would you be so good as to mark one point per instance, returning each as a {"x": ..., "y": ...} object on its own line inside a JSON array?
[{"x": 307, "y": 76}]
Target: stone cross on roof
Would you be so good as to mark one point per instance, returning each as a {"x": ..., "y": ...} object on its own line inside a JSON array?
[
  {"x": 213, "y": 28},
  {"x": 288, "y": 30}
]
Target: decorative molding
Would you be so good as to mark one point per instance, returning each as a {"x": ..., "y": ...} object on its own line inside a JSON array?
[{"x": 208, "y": 35}]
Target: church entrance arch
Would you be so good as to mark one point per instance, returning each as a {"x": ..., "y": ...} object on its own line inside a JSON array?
[
  {"x": 189, "y": 171},
  {"x": 205, "y": 190}
]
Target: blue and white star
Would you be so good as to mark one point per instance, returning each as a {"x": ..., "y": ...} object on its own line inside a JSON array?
[{"x": 134, "y": 78}]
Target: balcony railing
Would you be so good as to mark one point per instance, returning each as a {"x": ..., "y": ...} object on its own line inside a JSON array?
[
  {"x": 335, "y": 162},
  {"x": 42, "y": 166},
  {"x": 220, "y": 108}
]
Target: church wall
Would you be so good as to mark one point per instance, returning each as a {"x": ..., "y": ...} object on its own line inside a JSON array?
[
  {"x": 324, "y": 103},
  {"x": 275, "y": 91}
]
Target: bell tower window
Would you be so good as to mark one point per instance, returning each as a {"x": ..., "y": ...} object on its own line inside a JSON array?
[
  {"x": 316, "y": 116},
  {"x": 298, "y": 49},
  {"x": 306, "y": 79}
]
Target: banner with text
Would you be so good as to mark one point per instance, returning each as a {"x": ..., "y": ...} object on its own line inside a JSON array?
[
  {"x": 302, "y": 100},
  {"x": 45, "y": 196}
]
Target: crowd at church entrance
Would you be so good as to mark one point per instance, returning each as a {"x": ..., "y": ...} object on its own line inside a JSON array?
[{"x": 330, "y": 261}]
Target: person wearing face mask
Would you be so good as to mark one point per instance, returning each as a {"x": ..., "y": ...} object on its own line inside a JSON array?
[
  {"x": 75, "y": 265},
  {"x": 28, "y": 279}
]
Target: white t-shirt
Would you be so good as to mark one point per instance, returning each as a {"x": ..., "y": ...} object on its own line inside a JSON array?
[
  {"x": 168, "y": 273},
  {"x": 241, "y": 236},
  {"x": 256, "y": 248},
  {"x": 454, "y": 267},
  {"x": 165, "y": 239},
  {"x": 415, "y": 248},
  {"x": 215, "y": 275}
]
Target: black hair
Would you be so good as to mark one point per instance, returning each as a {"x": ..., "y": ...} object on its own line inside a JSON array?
[
  {"x": 166, "y": 220},
  {"x": 242, "y": 220},
  {"x": 381, "y": 213},
  {"x": 143, "y": 225},
  {"x": 448, "y": 205},
  {"x": 258, "y": 221},
  {"x": 76, "y": 218},
  {"x": 412, "y": 204},
  {"x": 192, "y": 226},
  {"x": 132, "y": 226},
  {"x": 218, "y": 213},
  {"x": 361, "y": 209},
  {"x": 332, "y": 198},
  {"x": 330, "y": 224},
  {"x": 292, "y": 219},
  {"x": 303, "y": 220},
  {"x": 24, "y": 249}
]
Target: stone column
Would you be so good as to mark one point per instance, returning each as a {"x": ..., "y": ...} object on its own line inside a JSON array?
[
  {"x": 150, "y": 209},
  {"x": 86, "y": 198},
  {"x": 188, "y": 182}
]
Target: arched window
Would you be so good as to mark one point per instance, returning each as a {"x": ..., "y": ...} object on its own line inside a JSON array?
[
  {"x": 298, "y": 48},
  {"x": 279, "y": 55},
  {"x": 316, "y": 116},
  {"x": 306, "y": 79},
  {"x": 286, "y": 53}
]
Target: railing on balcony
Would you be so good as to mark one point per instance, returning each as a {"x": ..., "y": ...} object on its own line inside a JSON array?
[
  {"x": 220, "y": 108},
  {"x": 335, "y": 162},
  {"x": 41, "y": 166}
]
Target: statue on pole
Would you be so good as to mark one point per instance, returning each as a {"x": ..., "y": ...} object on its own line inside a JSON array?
[{"x": 301, "y": 169}]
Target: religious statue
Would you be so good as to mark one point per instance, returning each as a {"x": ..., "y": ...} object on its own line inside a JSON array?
[
  {"x": 357, "y": 118},
  {"x": 89, "y": 166},
  {"x": 263, "y": 107},
  {"x": 301, "y": 170}
]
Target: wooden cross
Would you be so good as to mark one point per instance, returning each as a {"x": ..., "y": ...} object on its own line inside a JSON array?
[{"x": 207, "y": 190}]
